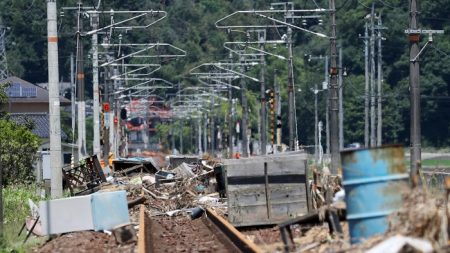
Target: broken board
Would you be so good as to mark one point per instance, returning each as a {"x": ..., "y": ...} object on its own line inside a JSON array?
[{"x": 266, "y": 190}]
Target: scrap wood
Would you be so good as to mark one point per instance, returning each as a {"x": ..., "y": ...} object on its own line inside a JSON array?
[
  {"x": 131, "y": 169},
  {"x": 154, "y": 195},
  {"x": 137, "y": 201}
]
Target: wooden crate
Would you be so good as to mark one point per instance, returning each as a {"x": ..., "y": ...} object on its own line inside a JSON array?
[{"x": 266, "y": 190}]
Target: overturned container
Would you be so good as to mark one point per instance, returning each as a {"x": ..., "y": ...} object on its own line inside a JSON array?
[{"x": 374, "y": 180}]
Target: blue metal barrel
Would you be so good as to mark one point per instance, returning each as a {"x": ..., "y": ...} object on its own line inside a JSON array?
[{"x": 374, "y": 180}]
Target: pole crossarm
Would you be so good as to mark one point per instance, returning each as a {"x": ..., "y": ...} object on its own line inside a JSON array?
[
  {"x": 203, "y": 93},
  {"x": 130, "y": 74},
  {"x": 413, "y": 33},
  {"x": 262, "y": 12},
  {"x": 217, "y": 81},
  {"x": 166, "y": 85},
  {"x": 219, "y": 65},
  {"x": 145, "y": 48},
  {"x": 245, "y": 46},
  {"x": 117, "y": 25},
  {"x": 288, "y": 14}
]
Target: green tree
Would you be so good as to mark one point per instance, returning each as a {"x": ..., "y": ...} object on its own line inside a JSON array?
[{"x": 18, "y": 147}]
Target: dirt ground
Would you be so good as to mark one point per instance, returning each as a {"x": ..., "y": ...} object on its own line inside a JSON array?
[
  {"x": 85, "y": 241},
  {"x": 181, "y": 234},
  {"x": 306, "y": 238}
]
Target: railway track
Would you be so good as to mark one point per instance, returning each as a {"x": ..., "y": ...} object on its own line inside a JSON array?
[{"x": 210, "y": 233}]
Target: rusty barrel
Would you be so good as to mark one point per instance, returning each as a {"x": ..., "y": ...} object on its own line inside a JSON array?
[{"x": 374, "y": 180}]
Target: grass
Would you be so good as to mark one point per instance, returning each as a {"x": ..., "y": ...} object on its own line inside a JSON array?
[
  {"x": 16, "y": 209},
  {"x": 436, "y": 163}
]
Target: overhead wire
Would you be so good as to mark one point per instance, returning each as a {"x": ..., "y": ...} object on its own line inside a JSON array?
[
  {"x": 316, "y": 4},
  {"x": 367, "y": 7},
  {"x": 388, "y": 5},
  {"x": 439, "y": 50}
]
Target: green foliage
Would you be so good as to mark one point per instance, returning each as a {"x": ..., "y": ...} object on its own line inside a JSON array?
[
  {"x": 15, "y": 201},
  {"x": 16, "y": 209},
  {"x": 436, "y": 163},
  {"x": 3, "y": 96},
  {"x": 163, "y": 131},
  {"x": 89, "y": 135},
  {"x": 18, "y": 146}
]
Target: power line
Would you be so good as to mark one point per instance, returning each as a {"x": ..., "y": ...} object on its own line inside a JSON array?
[
  {"x": 316, "y": 4},
  {"x": 388, "y": 5},
  {"x": 440, "y": 51},
  {"x": 367, "y": 7}
]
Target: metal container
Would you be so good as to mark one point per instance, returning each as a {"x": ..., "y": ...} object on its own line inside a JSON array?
[
  {"x": 197, "y": 213},
  {"x": 374, "y": 180},
  {"x": 219, "y": 172}
]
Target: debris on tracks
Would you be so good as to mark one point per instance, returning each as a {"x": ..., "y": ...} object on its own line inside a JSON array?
[
  {"x": 181, "y": 234},
  {"x": 422, "y": 215},
  {"x": 125, "y": 234},
  {"x": 85, "y": 241}
]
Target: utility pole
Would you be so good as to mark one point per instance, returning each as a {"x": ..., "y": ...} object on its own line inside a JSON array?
[
  {"x": 181, "y": 136},
  {"x": 316, "y": 123},
  {"x": 212, "y": 128},
  {"x": 414, "y": 85},
  {"x": 372, "y": 79},
  {"x": 80, "y": 88},
  {"x": 54, "y": 103},
  {"x": 341, "y": 105},
  {"x": 277, "y": 110},
  {"x": 333, "y": 92},
  {"x": 367, "y": 85},
  {"x": 172, "y": 135},
  {"x": 112, "y": 115},
  {"x": 244, "y": 115},
  {"x": 291, "y": 95},
  {"x": 205, "y": 132},
  {"x": 379, "y": 84},
  {"x": 325, "y": 86},
  {"x": 199, "y": 132},
  {"x": 414, "y": 82},
  {"x": 106, "y": 85},
  {"x": 230, "y": 120},
  {"x": 263, "y": 96},
  {"x": 3, "y": 61},
  {"x": 72, "y": 96},
  {"x": 327, "y": 105},
  {"x": 96, "y": 103}
]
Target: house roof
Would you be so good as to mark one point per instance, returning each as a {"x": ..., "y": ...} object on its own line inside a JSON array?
[
  {"x": 40, "y": 121},
  {"x": 41, "y": 93}
]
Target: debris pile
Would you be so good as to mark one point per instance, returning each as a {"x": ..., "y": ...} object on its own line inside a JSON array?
[
  {"x": 423, "y": 216},
  {"x": 420, "y": 224},
  {"x": 189, "y": 185},
  {"x": 179, "y": 189}
]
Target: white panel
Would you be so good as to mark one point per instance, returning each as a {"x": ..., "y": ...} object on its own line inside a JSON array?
[
  {"x": 46, "y": 170},
  {"x": 66, "y": 215}
]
